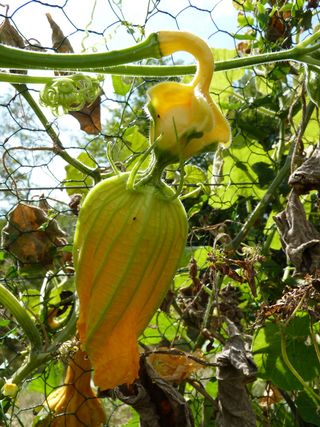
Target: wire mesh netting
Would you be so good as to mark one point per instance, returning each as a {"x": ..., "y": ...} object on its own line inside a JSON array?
[{"x": 233, "y": 267}]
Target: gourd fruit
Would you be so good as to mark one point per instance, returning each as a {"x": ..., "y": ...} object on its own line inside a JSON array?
[
  {"x": 75, "y": 403},
  {"x": 128, "y": 243}
]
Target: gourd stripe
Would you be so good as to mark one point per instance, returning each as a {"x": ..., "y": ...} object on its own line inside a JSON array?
[
  {"x": 179, "y": 225},
  {"x": 85, "y": 228},
  {"x": 86, "y": 218},
  {"x": 84, "y": 272},
  {"x": 89, "y": 266},
  {"x": 154, "y": 266},
  {"x": 133, "y": 245},
  {"x": 102, "y": 225},
  {"x": 119, "y": 236}
]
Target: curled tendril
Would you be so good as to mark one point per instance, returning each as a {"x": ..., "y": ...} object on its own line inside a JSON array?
[{"x": 70, "y": 93}]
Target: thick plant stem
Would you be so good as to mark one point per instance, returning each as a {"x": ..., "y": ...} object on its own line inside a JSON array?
[
  {"x": 11, "y": 303},
  {"x": 115, "y": 62},
  {"x": 57, "y": 144},
  {"x": 36, "y": 360},
  {"x": 263, "y": 203},
  {"x": 13, "y": 58}
]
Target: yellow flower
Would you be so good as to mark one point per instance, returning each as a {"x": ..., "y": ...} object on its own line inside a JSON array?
[
  {"x": 10, "y": 389},
  {"x": 186, "y": 121},
  {"x": 75, "y": 403}
]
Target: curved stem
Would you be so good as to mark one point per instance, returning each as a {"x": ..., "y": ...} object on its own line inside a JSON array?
[
  {"x": 9, "y": 301},
  {"x": 34, "y": 361},
  {"x": 58, "y": 147},
  {"x": 173, "y": 41},
  {"x": 292, "y": 369},
  {"x": 293, "y": 54}
]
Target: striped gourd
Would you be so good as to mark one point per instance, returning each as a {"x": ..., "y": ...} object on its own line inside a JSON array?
[{"x": 128, "y": 243}]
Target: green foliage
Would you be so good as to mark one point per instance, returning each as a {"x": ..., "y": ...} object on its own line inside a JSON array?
[
  {"x": 301, "y": 353},
  {"x": 76, "y": 178},
  {"x": 121, "y": 86}
]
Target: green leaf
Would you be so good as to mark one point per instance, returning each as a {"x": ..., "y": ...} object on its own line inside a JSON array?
[
  {"x": 161, "y": 325},
  {"x": 220, "y": 85},
  {"x": 134, "y": 421},
  {"x": 270, "y": 227},
  {"x": 239, "y": 177},
  {"x": 51, "y": 379},
  {"x": 121, "y": 85},
  {"x": 76, "y": 178},
  {"x": 4, "y": 322},
  {"x": 308, "y": 408},
  {"x": 248, "y": 36},
  {"x": 301, "y": 354},
  {"x": 133, "y": 143},
  {"x": 245, "y": 20},
  {"x": 194, "y": 175},
  {"x": 198, "y": 253},
  {"x": 264, "y": 172}
]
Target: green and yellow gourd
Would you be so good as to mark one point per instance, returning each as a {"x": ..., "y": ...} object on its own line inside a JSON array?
[
  {"x": 132, "y": 229},
  {"x": 128, "y": 244}
]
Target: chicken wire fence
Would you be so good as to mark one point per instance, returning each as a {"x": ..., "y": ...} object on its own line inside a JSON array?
[{"x": 41, "y": 188}]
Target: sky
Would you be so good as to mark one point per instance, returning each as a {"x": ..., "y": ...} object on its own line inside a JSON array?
[{"x": 29, "y": 17}]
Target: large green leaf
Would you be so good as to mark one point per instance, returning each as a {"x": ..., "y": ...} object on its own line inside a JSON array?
[
  {"x": 221, "y": 85},
  {"x": 132, "y": 143},
  {"x": 76, "y": 178},
  {"x": 308, "y": 408},
  {"x": 302, "y": 356},
  {"x": 242, "y": 173},
  {"x": 121, "y": 85}
]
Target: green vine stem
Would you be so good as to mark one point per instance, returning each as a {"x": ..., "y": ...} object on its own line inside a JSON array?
[
  {"x": 263, "y": 203},
  {"x": 36, "y": 360},
  {"x": 11, "y": 303},
  {"x": 314, "y": 396},
  {"x": 115, "y": 62},
  {"x": 57, "y": 144},
  {"x": 14, "y": 58}
]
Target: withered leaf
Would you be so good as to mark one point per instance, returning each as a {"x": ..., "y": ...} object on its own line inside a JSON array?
[
  {"x": 89, "y": 117},
  {"x": 307, "y": 176},
  {"x": 31, "y": 236},
  {"x": 235, "y": 369},
  {"x": 59, "y": 41},
  {"x": 300, "y": 239},
  {"x": 158, "y": 403},
  {"x": 9, "y": 35}
]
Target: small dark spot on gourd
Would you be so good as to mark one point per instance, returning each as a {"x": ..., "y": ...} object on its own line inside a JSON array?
[
  {"x": 158, "y": 115},
  {"x": 134, "y": 218}
]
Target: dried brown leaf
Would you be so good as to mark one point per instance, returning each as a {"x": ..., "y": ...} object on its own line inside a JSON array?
[
  {"x": 300, "y": 239},
  {"x": 158, "y": 403},
  {"x": 235, "y": 369},
  {"x": 307, "y": 176},
  {"x": 31, "y": 236},
  {"x": 59, "y": 41},
  {"x": 89, "y": 117},
  {"x": 9, "y": 35}
]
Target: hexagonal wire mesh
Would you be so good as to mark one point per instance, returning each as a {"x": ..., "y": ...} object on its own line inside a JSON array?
[{"x": 41, "y": 188}]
